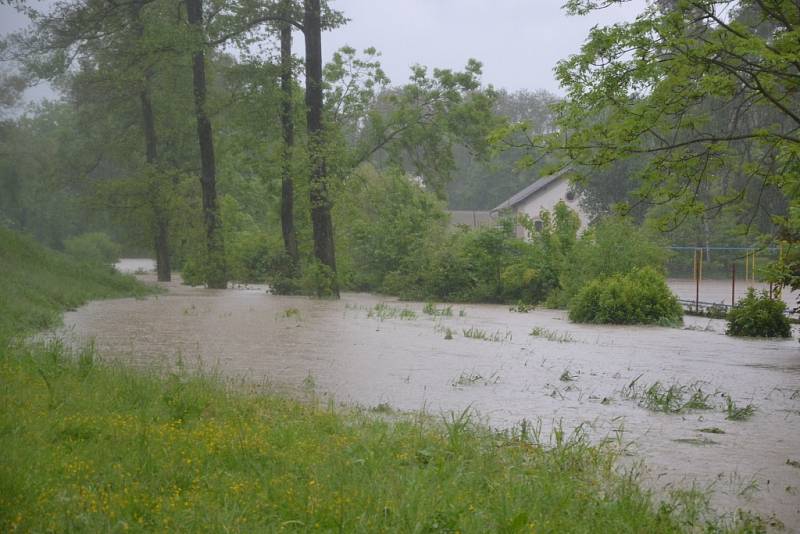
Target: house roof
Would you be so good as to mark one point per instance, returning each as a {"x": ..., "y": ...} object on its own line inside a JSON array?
[
  {"x": 472, "y": 219},
  {"x": 532, "y": 189}
]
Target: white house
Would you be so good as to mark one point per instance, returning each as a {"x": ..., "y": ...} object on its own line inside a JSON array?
[{"x": 543, "y": 194}]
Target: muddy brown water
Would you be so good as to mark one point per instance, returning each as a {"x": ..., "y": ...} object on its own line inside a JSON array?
[{"x": 343, "y": 353}]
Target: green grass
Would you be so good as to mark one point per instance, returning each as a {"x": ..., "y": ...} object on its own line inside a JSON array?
[
  {"x": 94, "y": 446},
  {"x": 37, "y": 285}
]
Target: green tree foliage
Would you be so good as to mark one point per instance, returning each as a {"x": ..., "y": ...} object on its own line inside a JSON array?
[
  {"x": 94, "y": 247},
  {"x": 482, "y": 181},
  {"x": 614, "y": 246},
  {"x": 638, "y": 297},
  {"x": 758, "y": 315},
  {"x": 703, "y": 93},
  {"x": 382, "y": 219}
]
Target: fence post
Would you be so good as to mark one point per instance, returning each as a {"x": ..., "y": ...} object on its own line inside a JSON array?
[
  {"x": 697, "y": 267},
  {"x": 733, "y": 284}
]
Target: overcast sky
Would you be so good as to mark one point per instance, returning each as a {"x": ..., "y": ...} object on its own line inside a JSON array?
[{"x": 518, "y": 41}]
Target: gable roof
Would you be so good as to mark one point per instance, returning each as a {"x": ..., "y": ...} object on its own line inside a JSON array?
[{"x": 532, "y": 189}]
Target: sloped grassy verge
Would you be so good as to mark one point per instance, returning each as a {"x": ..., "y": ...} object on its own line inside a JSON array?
[{"x": 38, "y": 284}]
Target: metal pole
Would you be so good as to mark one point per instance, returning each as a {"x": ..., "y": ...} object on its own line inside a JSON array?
[{"x": 697, "y": 281}]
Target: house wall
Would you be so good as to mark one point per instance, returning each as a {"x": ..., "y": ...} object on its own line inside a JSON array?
[{"x": 546, "y": 199}]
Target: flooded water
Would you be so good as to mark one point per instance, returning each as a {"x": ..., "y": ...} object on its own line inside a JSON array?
[{"x": 568, "y": 374}]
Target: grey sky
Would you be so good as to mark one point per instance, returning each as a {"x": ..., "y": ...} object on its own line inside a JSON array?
[{"x": 518, "y": 41}]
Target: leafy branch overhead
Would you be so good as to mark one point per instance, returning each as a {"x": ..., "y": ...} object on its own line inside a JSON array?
[{"x": 705, "y": 92}]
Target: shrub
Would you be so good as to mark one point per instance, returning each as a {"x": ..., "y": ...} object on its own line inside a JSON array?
[
  {"x": 614, "y": 246},
  {"x": 640, "y": 297},
  {"x": 94, "y": 247},
  {"x": 758, "y": 316}
]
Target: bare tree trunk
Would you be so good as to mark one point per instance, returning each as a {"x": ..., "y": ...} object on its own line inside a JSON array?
[
  {"x": 321, "y": 222},
  {"x": 287, "y": 124},
  {"x": 161, "y": 237},
  {"x": 216, "y": 276}
]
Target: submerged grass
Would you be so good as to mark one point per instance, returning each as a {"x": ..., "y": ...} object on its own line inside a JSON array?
[{"x": 675, "y": 398}]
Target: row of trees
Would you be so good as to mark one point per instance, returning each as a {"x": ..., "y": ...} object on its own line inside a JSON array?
[
  {"x": 686, "y": 116},
  {"x": 136, "y": 73}
]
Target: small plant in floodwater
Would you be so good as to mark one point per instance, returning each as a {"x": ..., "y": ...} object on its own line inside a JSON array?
[
  {"x": 522, "y": 307},
  {"x": 668, "y": 399},
  {"x": 448, "y": 333},
  {"x": 737, "y": 413},
  {"x": 382, "y": 311},
  {"x": 309, "y": 383},
  {"x": 408, "y": 315},
  {"x": 432, "y": 309},
  {"x": 474, "y": 333},
  {"x": 477, "y": 333},
  {"x": 466, "y": 378},
  {"x": 551, "y": 335},
  {"x": 469, "y": 378},
  {"x": 289, "y": 313},
  {"x": 566, "y": 376},
  {"x": 462, "y": 312},
  {"x": 711, "y": 430}
]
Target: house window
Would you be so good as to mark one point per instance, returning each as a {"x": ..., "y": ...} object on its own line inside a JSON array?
[
  {"x": 538, "y": 226},
  {"x": 570, "y": 196}
]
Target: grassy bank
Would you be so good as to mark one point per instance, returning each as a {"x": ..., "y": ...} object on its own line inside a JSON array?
[
  {"x": 38, "y": 284},
  {"x": 99, "y": 447}
]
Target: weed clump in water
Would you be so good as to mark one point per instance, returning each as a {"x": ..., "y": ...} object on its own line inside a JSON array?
[
  {"x": 432, "y": 309},
  {"x": 552, "y": 335},
  {"x": 668, "y": 399},
  {"x": 738, "y": 413}
]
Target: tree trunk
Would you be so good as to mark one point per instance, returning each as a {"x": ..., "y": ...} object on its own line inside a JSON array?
[
  {"x": 216, "y": 276},
  {"x": 287, "y": 124},
  {"x": 321, "y": 222},
  {"x": 163, "y": 267}
]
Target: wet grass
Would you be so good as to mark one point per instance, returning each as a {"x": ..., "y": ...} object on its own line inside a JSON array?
[
  {"x": 738, "y": 413},
  {"x": 38, "y": 284},
  {"x": 552, "y": 335},
  {"x": 566, "y": 376},
  {"x": 383, "y": 312},
  {"x": 675, "y": 398},
  {"x": 92, "y": 446},
  {"x": 444, "y": 311},
  {"x": 477, "y": 333},
  {"x": 470, "y": 378}
]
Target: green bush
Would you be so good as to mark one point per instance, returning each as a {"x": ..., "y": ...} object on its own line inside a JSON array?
[
  {"x": 613, "y": 246},
  {"x": 640, "y": 297},
  {"x": 94, "y": 247},
  {"x": 758, "y": 316}
]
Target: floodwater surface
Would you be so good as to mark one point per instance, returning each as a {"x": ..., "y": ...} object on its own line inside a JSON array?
[{"x": 567, "y": 374}]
